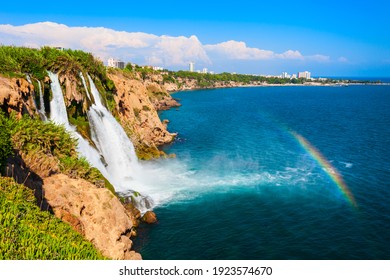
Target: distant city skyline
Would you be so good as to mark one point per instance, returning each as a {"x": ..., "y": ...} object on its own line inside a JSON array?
[{"x": 326, "y": 38}]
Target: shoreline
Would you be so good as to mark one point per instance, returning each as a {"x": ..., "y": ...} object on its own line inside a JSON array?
[{"x": 309, "y": 84}]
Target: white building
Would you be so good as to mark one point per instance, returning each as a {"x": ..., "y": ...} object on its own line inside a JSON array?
[
  {"x": 293, "y": 76},
  {"x": 191, "y": 66},
  {"x": 205, "y": 71},
  {"x": 115, "y": 63},
  {"x": 285, "y": 75},
  {"x": 157, "y": 68},
  {"x": 305, "y": 75}
]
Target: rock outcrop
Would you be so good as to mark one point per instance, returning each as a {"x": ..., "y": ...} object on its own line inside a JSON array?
[
  {"x": 149, "y": 217},
  {"x": 137, "y": 112},
  {"x": 16, "y": 95},
  {"x": 94, "y": 212}
]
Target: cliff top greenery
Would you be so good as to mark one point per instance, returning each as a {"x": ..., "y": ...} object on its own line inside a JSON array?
[
  {"x": 17, "y": 61},
  {"x": 28, "y": 233}
]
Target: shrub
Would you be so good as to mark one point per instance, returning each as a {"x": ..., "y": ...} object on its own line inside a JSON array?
[
  {"x": 50, "y": 147},
  {"x": 27, "y": 233},
  {"x": 5, "y": 141}
]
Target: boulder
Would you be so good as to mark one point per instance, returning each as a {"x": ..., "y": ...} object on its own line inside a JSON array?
[
  {"x": 149, "y": 217},
  {"x": 93, "y": 211}
]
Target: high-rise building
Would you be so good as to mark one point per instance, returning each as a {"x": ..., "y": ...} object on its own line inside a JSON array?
[
  {"x": 205, "y": 71},
  {"x": 115, "y": 63},
  {"x": 192, "y": 66},
  {"x": 305, "y": 75},
  {"x": 285, "y": 75}
]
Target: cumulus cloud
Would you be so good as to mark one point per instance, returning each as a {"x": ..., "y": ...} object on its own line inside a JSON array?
[
  {"x": 105, "y": 42},
  {"x": 239, "y": 50},
  {"x": 291, "y": 55},
  {"x": 139, "y": 47}
]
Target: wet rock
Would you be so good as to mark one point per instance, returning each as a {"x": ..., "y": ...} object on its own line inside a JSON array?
[{"x": 149, "y": 217}]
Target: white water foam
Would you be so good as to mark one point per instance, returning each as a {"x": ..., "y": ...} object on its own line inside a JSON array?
[{"x": 346, "y": 164}]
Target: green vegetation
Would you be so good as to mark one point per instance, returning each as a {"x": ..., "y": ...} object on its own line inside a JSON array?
[
  {"x": 207, "y": 80},
  {"x": 144, "y": 71},
  {"x": 136, "y": 112},
  {"x": 145, "y": 152},
  {"x": 48, "y": 147},
  {"x": 21, "y": 60},
  {"x": 5, "y": 141},
  {"x": 28, "y": 233}
]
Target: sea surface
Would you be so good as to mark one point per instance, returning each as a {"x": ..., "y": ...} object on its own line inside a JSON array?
[{"x": 251, "y": 190}]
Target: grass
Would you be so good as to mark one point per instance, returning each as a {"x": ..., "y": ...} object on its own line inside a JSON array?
[
  {"x": 27, "y": 233},
  {"x": 5, "y": 141}
]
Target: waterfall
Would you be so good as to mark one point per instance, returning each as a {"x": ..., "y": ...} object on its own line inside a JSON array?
[
  {"x": 28, "y": 78},
  {"x": 121, "y": 166},
  {"x": 58, "y": 113},
  {"x": 59, "y": 116},
  {"x": 112, "y": 141},
  {"x": 85, "y": 85},
  {"x": 41, "y": 110}
]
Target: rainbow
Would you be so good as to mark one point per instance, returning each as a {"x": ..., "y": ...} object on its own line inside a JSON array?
[{"x": 325, "y": 164}]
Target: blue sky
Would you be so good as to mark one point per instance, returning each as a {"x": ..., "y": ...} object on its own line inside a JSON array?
[{"x": 328, "y": 38}]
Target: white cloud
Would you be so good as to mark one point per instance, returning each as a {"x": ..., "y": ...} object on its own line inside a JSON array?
[
  {"x": 142, "y": 48},
  {"x": 342, "y": 59},
  {"x": 291, "y": 55},
  {"x": 239, "y": 51},
  {"x": 105, "y": 42},
  {"x": 179, "y": 50},
  {"x": 319, "y": 58}
]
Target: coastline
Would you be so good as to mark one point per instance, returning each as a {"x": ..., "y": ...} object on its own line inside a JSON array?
[{"x": 307, "y": 84}]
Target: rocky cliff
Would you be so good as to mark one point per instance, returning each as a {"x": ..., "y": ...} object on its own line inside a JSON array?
[
  {"x": 16, "y": 95},
  {"x": 95, "y": 212},
  {"x": 137, "y": 104}
]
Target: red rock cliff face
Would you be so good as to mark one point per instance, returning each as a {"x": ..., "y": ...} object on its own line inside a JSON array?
[{"x": 16, "y": 94}]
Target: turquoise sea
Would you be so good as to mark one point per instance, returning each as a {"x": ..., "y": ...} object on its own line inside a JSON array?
[{"x": 260, "y": 193}]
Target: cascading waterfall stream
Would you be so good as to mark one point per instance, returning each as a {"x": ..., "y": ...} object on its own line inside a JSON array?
[
  {"x": 112, "y": 141},
  {"x": 28, "y": 78},
  {"x": 118, "y": 151},
  {"x": 59, "y": 116},
  {"x": 85, "y": 85},
  {"x": 41, "y": 110}
]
